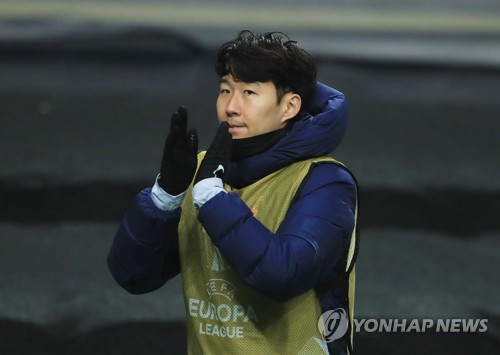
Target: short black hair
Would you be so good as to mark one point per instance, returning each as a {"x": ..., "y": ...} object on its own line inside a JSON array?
[{"x": 271, "y": 56}]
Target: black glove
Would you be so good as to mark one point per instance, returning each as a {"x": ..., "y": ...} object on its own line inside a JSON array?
[
  {"x": 179, "y": 161},
  {"x": 217, "y": 157}
]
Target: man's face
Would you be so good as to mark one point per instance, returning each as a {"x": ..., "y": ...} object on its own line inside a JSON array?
[{"x": 252, "y": 108}]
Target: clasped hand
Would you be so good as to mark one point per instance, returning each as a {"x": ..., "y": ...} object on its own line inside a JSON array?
[{"x": 179, "y": 160}]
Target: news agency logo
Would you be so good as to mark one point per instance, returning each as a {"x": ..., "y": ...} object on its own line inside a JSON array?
[
  {"x": 333, "y": 324},
  {"x": 421, "y": 325}
]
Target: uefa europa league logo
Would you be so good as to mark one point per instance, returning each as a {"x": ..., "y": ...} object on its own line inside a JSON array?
[{"x": 333, "y": 324}]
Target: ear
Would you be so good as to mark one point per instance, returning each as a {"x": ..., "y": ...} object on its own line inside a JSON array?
[{"x": 291, "y": 106}]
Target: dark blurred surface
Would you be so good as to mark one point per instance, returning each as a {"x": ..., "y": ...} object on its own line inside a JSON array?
[
  {"x": 164, "y": 338},
  {"x": 84, "y": 109}
]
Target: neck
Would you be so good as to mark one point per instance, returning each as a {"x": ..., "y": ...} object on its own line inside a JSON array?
[{"x": 246, "y": 147}]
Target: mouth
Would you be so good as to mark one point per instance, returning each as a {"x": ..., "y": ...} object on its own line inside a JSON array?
[{"x": 236, "y": 125}]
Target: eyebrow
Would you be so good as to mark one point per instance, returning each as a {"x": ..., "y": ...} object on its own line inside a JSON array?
[{"x": 224, "y": 80}]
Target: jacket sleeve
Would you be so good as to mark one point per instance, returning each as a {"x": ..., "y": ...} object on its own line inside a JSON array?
[
  {"x": 312, "y": 238},
  {"x": 145, "y": 251}
]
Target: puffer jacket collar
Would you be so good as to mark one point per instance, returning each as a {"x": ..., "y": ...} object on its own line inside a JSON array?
[{"x": 316, "y": 134}]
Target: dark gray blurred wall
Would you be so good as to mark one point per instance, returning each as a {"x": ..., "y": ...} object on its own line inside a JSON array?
[{"x": 90, "y": 112}]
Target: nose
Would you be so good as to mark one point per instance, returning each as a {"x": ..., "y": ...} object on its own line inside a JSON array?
[{"x": 233, "y": 106}]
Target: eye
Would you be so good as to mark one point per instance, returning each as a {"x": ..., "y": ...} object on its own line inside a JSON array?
[
  {"x": 249, "y": 92},
  {"x": 224, "y": 91}
]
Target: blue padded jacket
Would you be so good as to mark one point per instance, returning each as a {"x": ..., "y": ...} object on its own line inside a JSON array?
[{"x": 310, "y": 246}]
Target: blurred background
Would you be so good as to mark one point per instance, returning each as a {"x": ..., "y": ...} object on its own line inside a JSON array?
[{"x": 86, "y": 93}]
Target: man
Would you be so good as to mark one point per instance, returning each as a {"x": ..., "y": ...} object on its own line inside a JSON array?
[{"x": 264, "y": 236}]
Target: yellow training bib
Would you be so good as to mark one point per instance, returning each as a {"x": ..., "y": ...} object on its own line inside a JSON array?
[{"x": 224, "y": 315}]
